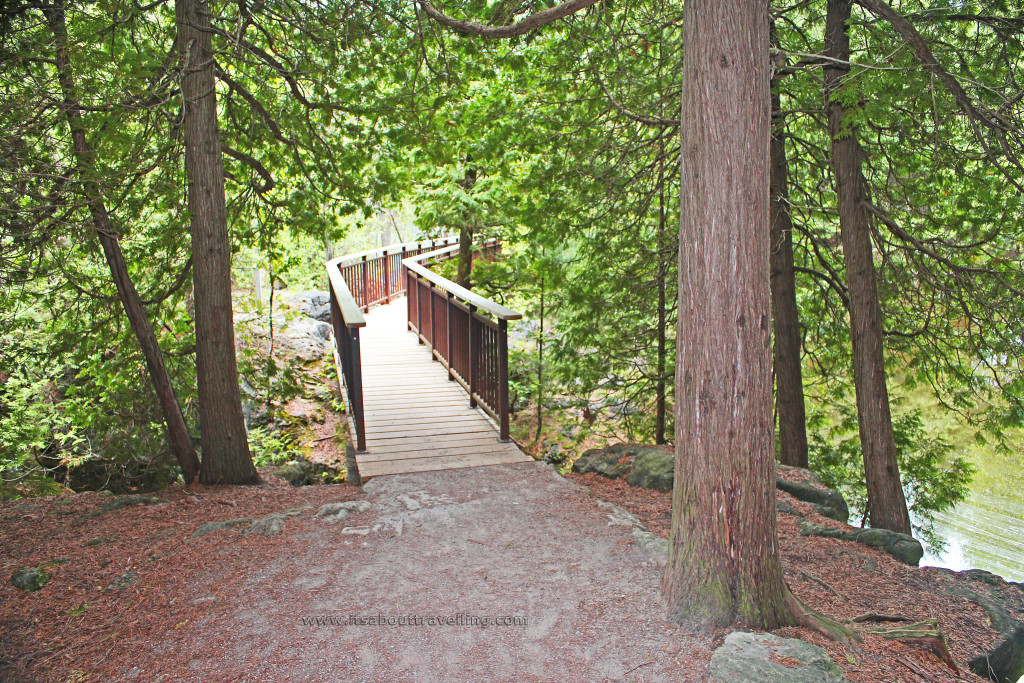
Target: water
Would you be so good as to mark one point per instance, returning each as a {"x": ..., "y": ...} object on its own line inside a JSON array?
[{"x": 986, "y": 531}]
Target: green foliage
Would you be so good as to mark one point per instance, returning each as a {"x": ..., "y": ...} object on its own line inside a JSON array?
[
  {"x": 272, "y": 446},
  {"x": 934, "y": 479}
]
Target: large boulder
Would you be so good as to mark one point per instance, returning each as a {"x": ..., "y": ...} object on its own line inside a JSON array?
[
  {"x": 1001, "y": 600},
  {"x": 653, "y": 469},
  {"x": 764, "y": 658},
  {"x": 607, "y": 462},
  {"x": 656, "y": 464},
  {"x": 804, "y": 485},
  {"x": 295, "y": 472},
  {"x": 904, "y": 548},
  {"x": 306, "y": 338}
]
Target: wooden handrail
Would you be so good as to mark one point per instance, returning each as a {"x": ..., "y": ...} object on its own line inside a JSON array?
[
  {"x": 497, "y": 310},
  {"x": 466, "y": 333},
  {"x": 351, "y": 315},
  {"x": 474, "y": 329},
  {"x": 347, "y": 313}
]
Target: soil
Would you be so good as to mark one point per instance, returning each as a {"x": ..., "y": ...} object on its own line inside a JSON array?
[
  {"x": 844, "y": 580},
  {"x": 133, "y": 597}
]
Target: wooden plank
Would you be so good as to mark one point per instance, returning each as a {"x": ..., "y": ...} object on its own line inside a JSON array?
[
  {"x": 438, "y": 412},
  {"x": 384, "y": 422},
  {"x": 436, "y": 444},
  {"x": 376, "y": 469},
  {"x": 384, "y": 438}
]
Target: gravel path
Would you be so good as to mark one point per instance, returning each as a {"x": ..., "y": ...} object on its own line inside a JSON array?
[{"x": 447, "y": 550}]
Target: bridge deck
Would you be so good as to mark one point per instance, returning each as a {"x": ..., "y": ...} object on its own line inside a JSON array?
[{"x": 416, "y": 419}]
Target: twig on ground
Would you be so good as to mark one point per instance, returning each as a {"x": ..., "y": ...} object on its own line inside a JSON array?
[{"x": 822, "y": 583}]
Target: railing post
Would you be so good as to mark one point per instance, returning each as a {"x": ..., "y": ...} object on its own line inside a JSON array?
[
  {"x": 387, "y": 278},
  {"x": 419, "y": 309},
  {"x": 433, "y": 331},
  {"x": 403, "y": 282},
  {"x": 474, "y": 351},
  {"x": 451, "y": 336},
  {"x": 503, "y": 407},
  {"x": 357, "y": 390},
  {"x": 366, "y": 285}
]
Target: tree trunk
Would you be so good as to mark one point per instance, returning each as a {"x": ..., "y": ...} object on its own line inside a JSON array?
[
  {"x": 659, "y": 389},
  {"x": 226, "y": 458},
  {"x": 178, "y": 438},
  {"x": 464, "y": 277},
  {"x": 723, "y": 557},
  {"x": 887, "y": 505},
  {"x": 789, "y": 383}
]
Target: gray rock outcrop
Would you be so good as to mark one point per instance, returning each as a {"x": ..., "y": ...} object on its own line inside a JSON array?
[
  {"x": 30, "y": 579},
  {"x": 764, "y": 658},
  {"x": 906, "y": 549}
]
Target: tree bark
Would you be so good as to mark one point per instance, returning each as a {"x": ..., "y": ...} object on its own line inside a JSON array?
[
  {"x": 178, "y": 437},
  {"x": 723, "y": 557},
  {"x": 226, "y": 458},
  {"x": 789, "y": 383},
  {"x": 464, "y": 276},
  {"x": 660, "y": 386},
  {"x": 887, "y": 505}
]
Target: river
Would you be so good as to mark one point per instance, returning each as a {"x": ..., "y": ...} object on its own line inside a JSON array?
[{"x": 986, "y": 531}]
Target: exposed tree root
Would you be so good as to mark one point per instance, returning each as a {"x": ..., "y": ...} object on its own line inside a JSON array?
[
  {"x": 816, "y": 621},
  {"x": 925, "y": 633}
]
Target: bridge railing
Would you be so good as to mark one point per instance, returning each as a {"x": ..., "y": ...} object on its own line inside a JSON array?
[
  {"x": 467, "y": 333},
  {"x": 358, "y": 281}
]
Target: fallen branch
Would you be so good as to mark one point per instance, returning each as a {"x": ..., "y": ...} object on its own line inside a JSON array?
[
  {"x": 872, "y": 616},
  {"x": 926, "y": 633},
  {"x": 917, "y": 670}
]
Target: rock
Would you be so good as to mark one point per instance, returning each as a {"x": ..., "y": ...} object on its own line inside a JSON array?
[
  {"x": 615, "y": 461},
  {"x": 828, "y": 502},
  {"x": 273, "y": 524},
  {"x": 210, "y": 527},
  {"x": 1004, "y": 663},
  {"x": 653, "y": 469},
  {"x": 351, "y": 466},
  {"x": 99, "y": 541},
  {"x": 335, "y": 512},
  {"x": 30, "y": 579},
  {"x": 906, "y": 549},
  {"x": 831, "y": 512},
  {"x": 755, "y": 658},
  {"x": 601, "y": 462},
  {"x": 123, "y": 581},
  {"x": 127, "y": 501},
  {"x": 786, "y": 508},
  {"x": 651, "y": 547},
  {"x": 296, "y": 472},
  {"x": 306, "y": 338},
  {"x": 309, "y": 302},
  {"x": 323, "y": 314},
  {"x": 555, "y": 455}
]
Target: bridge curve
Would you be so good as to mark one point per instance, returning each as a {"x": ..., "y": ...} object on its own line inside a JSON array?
[{"x": 425, "y": 380}]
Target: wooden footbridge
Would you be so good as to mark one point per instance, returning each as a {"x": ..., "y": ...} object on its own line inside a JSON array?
[{"x": 423, "y": 362}]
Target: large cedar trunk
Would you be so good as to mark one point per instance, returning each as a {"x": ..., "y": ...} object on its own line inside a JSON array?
[
  {"x": 178, "y": 438},
  {"x": 723, "y": 556},
  {"x": 789, "y": 383},
  {"x": 226, "y": 458},
  {"x": 887, "y": 505}
]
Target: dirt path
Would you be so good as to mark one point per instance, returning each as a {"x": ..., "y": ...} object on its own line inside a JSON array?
[{"x": 502, "y": 541}]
